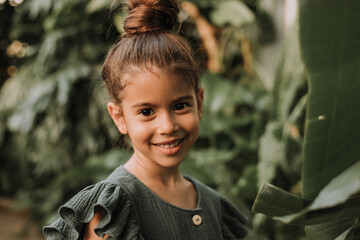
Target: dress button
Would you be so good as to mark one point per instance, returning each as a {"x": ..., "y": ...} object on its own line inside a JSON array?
[{"x": 197, "y": 220}]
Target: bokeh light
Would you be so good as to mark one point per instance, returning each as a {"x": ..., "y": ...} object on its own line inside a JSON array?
[
  {"x": 17, "y": 49},
  {"x": 12, "y": 70},
  {"x": 13, "y": 3}
]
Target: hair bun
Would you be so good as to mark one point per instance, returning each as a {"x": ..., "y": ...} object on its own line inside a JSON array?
[{"x": 151, "y": 16}]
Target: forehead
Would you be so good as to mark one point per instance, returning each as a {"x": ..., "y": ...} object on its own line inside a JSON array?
[
  {"x": 130, "y": 72},
  {"x": 137, "y": 77},
  {"x": 155, "y": 85}
]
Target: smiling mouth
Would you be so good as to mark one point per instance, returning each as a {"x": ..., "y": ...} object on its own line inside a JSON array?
[{"x": 170, "y": 145}]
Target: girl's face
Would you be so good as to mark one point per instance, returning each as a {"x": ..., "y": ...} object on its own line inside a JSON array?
[{"x": 160, "y": 112}]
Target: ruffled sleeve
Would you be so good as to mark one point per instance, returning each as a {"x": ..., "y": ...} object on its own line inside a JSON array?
[
  {"x": 119, "y": 219},
  {"x": 233, "y": 221}
]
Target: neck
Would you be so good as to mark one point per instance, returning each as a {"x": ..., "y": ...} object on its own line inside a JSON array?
[
  {"x": 152, "y": 173},
  {"x": 167, "y": 183}
]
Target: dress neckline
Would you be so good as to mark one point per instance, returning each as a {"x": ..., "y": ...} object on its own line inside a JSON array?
[{"x": 146, "y": 188}]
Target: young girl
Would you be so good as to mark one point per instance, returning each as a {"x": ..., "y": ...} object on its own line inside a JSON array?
[{"x": 152, "y": 77}]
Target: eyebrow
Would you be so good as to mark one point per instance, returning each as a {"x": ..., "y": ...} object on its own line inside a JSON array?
[{"x": 147, "y": 104}]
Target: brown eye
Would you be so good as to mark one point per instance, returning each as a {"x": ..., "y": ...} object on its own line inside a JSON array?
[
  {"x": 146, "y": 112},
  {"x": 180, "y": 106}
]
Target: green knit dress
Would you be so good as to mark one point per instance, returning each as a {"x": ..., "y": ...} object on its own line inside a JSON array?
[{"x": 134, "y": 212}]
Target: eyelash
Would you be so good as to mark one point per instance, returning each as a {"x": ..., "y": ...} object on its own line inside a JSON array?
[
  {"x": 183, "y": 104},
  {"x": 142, "y": 112},
  {"x": 147, "y": 112}
]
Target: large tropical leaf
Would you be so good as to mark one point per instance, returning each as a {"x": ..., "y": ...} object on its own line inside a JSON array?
[
  {"x": 329, "y": 38},
  {"x": 336, "y": 198}
]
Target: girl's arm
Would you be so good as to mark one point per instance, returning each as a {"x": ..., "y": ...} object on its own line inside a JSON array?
[{"x": 89, "y": 233}]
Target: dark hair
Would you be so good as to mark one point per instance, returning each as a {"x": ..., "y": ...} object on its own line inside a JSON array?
[{"x": 148, "y": 43}]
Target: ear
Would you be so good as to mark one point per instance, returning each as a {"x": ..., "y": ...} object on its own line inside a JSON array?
[
  {"x": 117, "y": 116},
  {"x": 200, "y": 99}
]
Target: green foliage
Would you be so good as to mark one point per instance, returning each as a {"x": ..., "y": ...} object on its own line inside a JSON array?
[
  {"x": 334, "y": 64},
  {"x": 226, "y": 10},
  {"x": 279, "y": 152},
  {"x": 281, "y": 205},
  {"x": 53, "y": 109},
  {"x": 330, "y": 205},
  {"x": 337, "y": 121}
]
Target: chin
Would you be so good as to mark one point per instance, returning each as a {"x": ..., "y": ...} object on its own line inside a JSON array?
[{"x": 169, "y": 162}]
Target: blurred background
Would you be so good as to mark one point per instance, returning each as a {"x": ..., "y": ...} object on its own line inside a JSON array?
[{"x": 56, "y": 136}]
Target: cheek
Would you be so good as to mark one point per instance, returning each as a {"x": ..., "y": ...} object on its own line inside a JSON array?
[
  {"x": 138, "y": 132},
  {"x": 193, "y": 125}
]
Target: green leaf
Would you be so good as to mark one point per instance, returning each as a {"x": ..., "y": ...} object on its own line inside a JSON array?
[
  {"x": 289, "y": 75},
  {"x": 39, "y": 96},
  {"x": 344, "y": 234},
  {"x": 280, "y": 205},
  {"x": 273, "y": 201},
  {"x": 345, "y": 211},
  {"x": 96, "y": 5},
  {"x": 333, "y": 202},
  {"x": 217, "y": 91},
  {"x": 271, "y": 153},
  {"x": 37, "y": 7},
  {"x": 329, "y": 43},
  {"x": 327, "y": 231},
  {"x": 119, "y": 19},
  {"x": 235, "y": 13},
  {"x": 339, "y": 189}
]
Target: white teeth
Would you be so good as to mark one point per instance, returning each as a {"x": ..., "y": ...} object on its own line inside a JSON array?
[{"x": 171, "y": 145}]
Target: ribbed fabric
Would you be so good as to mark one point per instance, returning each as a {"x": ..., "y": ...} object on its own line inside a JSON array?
[{"x": 133, "y": 211}]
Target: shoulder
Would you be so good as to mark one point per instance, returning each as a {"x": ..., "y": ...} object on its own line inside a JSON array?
[
  {"x": 232, "y": 220},
  {"x": 110, "y": 195}
]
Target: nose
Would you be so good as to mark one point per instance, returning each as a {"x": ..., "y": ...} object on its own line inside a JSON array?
[{"x": 167, "y": 124}]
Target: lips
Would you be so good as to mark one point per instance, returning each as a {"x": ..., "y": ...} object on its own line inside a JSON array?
[{"x": 170, "y": 147}]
